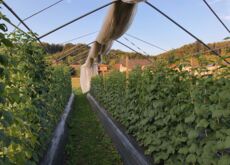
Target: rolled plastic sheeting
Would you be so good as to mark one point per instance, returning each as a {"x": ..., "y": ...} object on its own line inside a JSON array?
[
  {"x": 88, "y": 73},
  {"x": 117, "y": 22}
]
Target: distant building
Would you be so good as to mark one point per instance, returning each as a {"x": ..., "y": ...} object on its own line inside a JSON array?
[
  {"x": 132, "y": 64},
  {"x": 102, "y": 68},
  {"x": 120, "y": 67}
]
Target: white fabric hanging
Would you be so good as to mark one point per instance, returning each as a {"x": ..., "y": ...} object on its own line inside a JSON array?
[{"x": 117, "y": 22}]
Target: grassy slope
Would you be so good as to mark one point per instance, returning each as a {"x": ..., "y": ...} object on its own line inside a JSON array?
[{"x": 87, "y": 142}]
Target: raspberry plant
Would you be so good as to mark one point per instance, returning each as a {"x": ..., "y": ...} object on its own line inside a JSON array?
[
  {"x": 32, "y": 98},
  {"x": 177, "y": 116}
]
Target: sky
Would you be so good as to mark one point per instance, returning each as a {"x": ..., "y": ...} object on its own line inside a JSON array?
[{"x": 147, "y": 25}]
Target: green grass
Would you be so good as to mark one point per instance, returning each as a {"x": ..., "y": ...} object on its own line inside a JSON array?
[{"x": 87, "y": 142}]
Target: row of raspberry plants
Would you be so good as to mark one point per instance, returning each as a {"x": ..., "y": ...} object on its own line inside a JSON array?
[
  {"x": 32, "y": 98},
  {"x": 177, "y": 117}
]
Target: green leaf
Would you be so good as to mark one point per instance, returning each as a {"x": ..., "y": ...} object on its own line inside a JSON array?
[
  {"x": 7, "y": 116},
  {"x": 3, "y": 60},
  {"x": 2, "y": 134},
  {"x": 217, "y": 114},
  {"x": 7, "y": 42},
  {"x": 2, "y": 86},
  {"x": 1, "y": 71},
  {"x": 193, "y": 148},
  {"x": 220, "y": 145},
  {"x": 224, "y": 160},
  {"x": 203, "y": 124},
  {"x": 191, "y": 158},
  {"x": 3, "y": 27},
  {"x": 183, "y": 151},
  {"x": 190, "y": 119},
  {"x": 4, "y": 17},
  {"x": 227, "y": 142},
  {"x": 192, "y": 134}
]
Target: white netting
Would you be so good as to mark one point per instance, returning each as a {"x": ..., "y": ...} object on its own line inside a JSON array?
[{"x": 117, "y": 21}]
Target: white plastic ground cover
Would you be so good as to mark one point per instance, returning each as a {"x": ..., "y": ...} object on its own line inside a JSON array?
[{"x": 116, "y": 23}]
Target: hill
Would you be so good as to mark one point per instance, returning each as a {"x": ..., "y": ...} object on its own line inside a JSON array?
[
  {"x": 76, "y": 54},
  {"x": 194, "y": 53}
]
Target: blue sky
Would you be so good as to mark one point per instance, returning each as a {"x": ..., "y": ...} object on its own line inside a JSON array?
[{"x": 148, "y": 24}]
